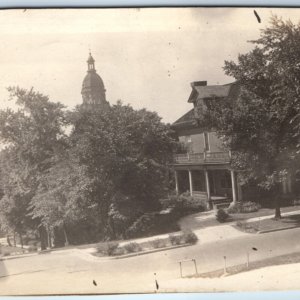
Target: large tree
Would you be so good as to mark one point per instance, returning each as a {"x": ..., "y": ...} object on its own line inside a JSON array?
[
  {"x": 89, "y": 184},
  {"x": 33, "y": 135},
  {"x": 125, "y": 154},
  {"x": 261, "y": 126}
]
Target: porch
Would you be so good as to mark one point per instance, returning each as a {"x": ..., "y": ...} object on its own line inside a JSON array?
[
  {"x": 205, "y": 157},
  {"x": 216, "y": 187}
]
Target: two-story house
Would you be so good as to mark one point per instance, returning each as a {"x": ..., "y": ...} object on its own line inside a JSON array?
[{"x": 203, "y": 166}]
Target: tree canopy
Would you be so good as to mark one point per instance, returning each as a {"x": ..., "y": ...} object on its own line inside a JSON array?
[
  {"x": 261, "y": 126},
  {"x": 107, "y": 171}
]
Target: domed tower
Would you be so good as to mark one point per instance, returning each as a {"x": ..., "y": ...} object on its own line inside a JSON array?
[{"x": 93, "y": 91}]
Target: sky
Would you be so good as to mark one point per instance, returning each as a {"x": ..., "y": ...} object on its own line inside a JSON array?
[{"x": 146, "y": 57}]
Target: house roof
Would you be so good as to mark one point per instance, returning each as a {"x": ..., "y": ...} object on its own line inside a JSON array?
[
  {"x": 210, "y": 91},
  {"x": 187, "y": 120},
  {"x": 204, "y": 92}
]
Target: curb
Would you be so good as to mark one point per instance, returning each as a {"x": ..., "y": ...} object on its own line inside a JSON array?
[
  {"x": 277, "y": 229},
  {"x": 142, "y": 253},
  {"x": 17, "y": 256},
  {"x": 150, "y": 251}
]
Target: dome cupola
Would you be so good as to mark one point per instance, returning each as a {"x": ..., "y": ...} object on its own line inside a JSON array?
[{"x": 93, "y": 91}]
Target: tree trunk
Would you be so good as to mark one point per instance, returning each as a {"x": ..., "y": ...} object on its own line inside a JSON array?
[
  {"x": 8, "y": 240},
  {"x": 43, "y": 237},
  {"x": 49, "y": 238},
  {"x": 113, "y": 230},
  {"x": 15, "y": 242},
  {"x": 277, "y": 208},
  {"x": 21, "y": 240},
  {"x": 66, "y": 236}
]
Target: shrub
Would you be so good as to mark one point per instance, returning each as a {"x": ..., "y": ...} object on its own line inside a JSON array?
[
  {"x": 141, "y": 226},
  {"x": 158, "y": 243},
  {"x": 108, "y": 248},
  {"x": 190, "y": 204},
  {"x": 244, "y": 207},
  {"x": 132, "y": 247},
  {"x": 32, "y": 248},
  {"x": 250, "y": 206},
  {"x": 234, "y": 208},
  {"x": 184, "y": 203},
  {"x": 111, "y": 247},
  {"x": 190, "y": 237},
  {"x": 119, "y": 251},
  {"x": 176, "y": 239},
  {"x": 6, "y": 253},
  {"x": 222, "y": 216}
]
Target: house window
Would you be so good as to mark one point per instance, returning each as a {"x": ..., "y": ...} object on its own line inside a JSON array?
[
  {"x": 206, "y": 141},
  {"x": 188, "y": 139},
  {"x": 189, "y": 144}
]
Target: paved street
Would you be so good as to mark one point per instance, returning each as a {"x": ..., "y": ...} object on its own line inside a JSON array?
[{"x": 71, "y": 272}]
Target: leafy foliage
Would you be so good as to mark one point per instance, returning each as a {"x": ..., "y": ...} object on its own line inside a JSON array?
[
  {"x": 97, "y": 180},
  {"x": 189, "y": 237},
  {"x": 261, "y": 125},
  {"x": 221, "y": 215},
  {"x": 33, "y": 135},
  {"x": 244, "y": 207},
  {"x": 125, "y": 153},
  {"x": 132, "y": 247}
]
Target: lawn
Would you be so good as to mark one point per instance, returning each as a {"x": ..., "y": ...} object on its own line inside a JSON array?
[
  {"x": 279, "y": 260},
  {"x": 264, "y": 212},
  {"x": 269, "y": 224}
]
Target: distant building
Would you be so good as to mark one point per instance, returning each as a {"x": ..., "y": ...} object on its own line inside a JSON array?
[
  {"x": 93, "y": 90},
  {"x": 203, "y": 167}
]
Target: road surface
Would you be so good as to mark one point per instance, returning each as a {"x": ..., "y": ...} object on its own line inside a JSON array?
[{"x": 69, "y": 272}]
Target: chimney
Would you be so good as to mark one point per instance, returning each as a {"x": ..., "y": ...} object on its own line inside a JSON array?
[{"x": 199, "y": 83}]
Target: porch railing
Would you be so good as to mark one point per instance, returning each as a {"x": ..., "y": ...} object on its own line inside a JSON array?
[{"x": 204, "y": 157}]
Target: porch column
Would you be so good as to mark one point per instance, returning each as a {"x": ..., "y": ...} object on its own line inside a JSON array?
[
  {"x": 207, "y": 184},
  {"x": 176, "y": 183},
  {"x": 191, "y": 182},
  {"x": 209, "y": 204},
  {"x": 233, "y": 184}
]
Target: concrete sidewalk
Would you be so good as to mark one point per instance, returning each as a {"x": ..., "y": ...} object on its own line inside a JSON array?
[
  {"x": 205, "y": 235},
  {"x": 221, "y": 232}
]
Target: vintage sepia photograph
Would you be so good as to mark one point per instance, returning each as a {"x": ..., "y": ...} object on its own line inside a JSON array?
[{"x": 149, "y": 150}]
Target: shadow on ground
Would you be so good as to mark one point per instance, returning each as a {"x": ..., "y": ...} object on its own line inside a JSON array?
[{"x": 292, "y": 220}]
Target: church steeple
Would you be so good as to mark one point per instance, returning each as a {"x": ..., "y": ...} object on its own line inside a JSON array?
[{"x": 93, "y": 91}]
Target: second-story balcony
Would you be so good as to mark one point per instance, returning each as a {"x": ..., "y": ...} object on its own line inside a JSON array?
[{"x": 202, "y": 158}]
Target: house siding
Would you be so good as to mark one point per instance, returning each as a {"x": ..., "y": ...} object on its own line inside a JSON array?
[
  {"x": 197, "y": 144},
  {"x": 215, "y": 143}
]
